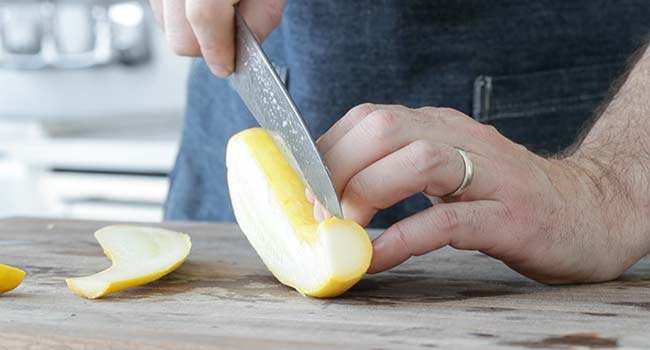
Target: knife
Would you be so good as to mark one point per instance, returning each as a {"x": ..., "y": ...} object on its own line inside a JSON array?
[{"x": 262, "y": 91}]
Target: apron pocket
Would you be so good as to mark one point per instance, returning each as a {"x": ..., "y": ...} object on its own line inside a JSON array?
[{"x": 544, "y": 111}]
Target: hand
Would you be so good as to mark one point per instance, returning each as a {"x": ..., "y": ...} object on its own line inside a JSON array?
[
  {"x": 545, "y": 218},
  {"x": 206, "y": 27}
]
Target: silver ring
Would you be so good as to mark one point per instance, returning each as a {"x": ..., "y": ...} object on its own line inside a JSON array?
[{"x": 467, "y": 177}]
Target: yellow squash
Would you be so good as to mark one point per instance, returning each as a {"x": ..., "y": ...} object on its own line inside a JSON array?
[
  {"x": 268, "y": 196},
  {"x": 10, "y": 278},
  {"x": 139, "y": 255}
]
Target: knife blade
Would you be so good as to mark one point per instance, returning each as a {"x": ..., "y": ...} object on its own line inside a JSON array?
[{"x": 263, "y": 93}]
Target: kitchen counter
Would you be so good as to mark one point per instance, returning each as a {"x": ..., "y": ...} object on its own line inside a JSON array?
[{"x": 224, "y": 298}]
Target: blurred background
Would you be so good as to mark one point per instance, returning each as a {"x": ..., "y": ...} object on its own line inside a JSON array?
[{"x": 91, "y": 102}]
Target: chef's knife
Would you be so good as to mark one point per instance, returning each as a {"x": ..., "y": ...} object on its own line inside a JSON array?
[{"x": 262, "y": 91}]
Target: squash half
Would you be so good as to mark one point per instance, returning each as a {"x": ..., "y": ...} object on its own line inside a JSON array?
[{"x": 268, "y": 197}]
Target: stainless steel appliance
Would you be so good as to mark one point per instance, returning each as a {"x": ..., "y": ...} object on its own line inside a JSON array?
[
  {"x": 90, "y": 109},
  {"x": 72, "y": 33}
]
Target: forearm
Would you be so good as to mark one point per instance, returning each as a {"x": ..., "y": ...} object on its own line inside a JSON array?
[
  {"x": 623, "y": 126},
  {"x": 615, "y": 159}
]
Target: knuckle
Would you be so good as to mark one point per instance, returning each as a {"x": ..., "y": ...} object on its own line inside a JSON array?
[
  {"x": 406, "y": 241},
  {"x": 380, "y": 124},
  {"x": 275, "y": 18},
  {"x": 274, "y": 11},
  {"x": 490, "y": 130},
  {"x": 199, "y": 12},
  {"x": 423, "y": 156},
  {"x": 428, "y": 110},
  {"x": 402, "y": 238},
  {"x": 446, "y": 111},
  {"x": 520, "y": 148},
  {"x": 438, "y": 117},
  {"x": 357, "y": 189},
  {"x": 448, "y": 115},
  {"x": 362, "y": 110},
  {"x": 482, "y": 131},
  {"x": 445, "y": 219},
  {"x": 182, "y": 45},
  {"x": 441, "y": 112},
  {"x": 216, "y": 55}
]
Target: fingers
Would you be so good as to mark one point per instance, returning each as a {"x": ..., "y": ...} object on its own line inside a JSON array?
[
  {"x": 375, "y": 136},
  {"x": 343, "y": 125},
  {"x": 178, "y": 31},
  {"x": 214, "y": 26},
  {"x": 421, "y": 166},
  {"x": 426, "y": 116},
  {"x": 309, "y": 195},
  {"x": 386, "y": 130},
  {"x": 320, "y": 213},
  {"x": 262, "y": 16},
  {"x": 463, "y": 225},
  {"x": 379, "y": 155},
  {"x": 157, "y": 9},
  {"x": 207, "y": 27},
  {"x": 213, "y": 23}
]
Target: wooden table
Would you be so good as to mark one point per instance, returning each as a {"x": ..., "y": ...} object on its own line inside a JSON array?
[{"x": 224, "y": 298}]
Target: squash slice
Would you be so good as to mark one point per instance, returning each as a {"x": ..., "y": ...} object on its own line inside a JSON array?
[
  {"x": 10, "y": 278},
  {"x": 139, "y": 255}
]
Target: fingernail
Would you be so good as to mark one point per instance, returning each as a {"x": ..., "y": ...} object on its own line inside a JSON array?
[
  {"x": 326, "y": 213},
  {"x": 377, "y": 247},
  {"x": 354, "y": 213},
  {"x": 378, "y": 244},
  {"x": 374, "y": 265},
  {"x": 347, "y": 209},
  {"x": 318, "y": 212},
  {"x": 372, "y": 269},
  {"x": 220, "y": 71},
  {"x": 309, "y": 196}
]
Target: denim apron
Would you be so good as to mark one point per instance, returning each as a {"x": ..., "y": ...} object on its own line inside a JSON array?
[{"x": 536, "y": 70}]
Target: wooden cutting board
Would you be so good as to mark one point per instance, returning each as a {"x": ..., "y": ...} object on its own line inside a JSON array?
[{"x": 224, "y": 298}]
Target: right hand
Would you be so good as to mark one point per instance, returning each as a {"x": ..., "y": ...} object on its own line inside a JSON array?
[{"x": 206, "y": 27}]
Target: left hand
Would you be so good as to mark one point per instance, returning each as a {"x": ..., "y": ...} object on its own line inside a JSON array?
[{"x": 540, "y": 216}]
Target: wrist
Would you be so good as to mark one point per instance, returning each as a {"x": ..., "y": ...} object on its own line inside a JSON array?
[{"x": 614, "y": 186}]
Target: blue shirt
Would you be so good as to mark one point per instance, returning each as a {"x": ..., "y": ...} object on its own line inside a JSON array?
[{"x": 534, "y": 69}]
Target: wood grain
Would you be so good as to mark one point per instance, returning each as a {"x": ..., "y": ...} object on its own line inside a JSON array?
[{"x": 224, "y": 298}]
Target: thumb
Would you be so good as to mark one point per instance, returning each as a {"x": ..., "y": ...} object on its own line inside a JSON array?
[{"x": 463, "y": 225}]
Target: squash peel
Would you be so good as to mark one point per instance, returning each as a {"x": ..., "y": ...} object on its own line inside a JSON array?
[{"x": 139, "y": 254}]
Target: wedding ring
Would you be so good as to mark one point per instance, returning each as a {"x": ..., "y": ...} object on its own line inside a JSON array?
[{"x": 467, "y": 176}]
